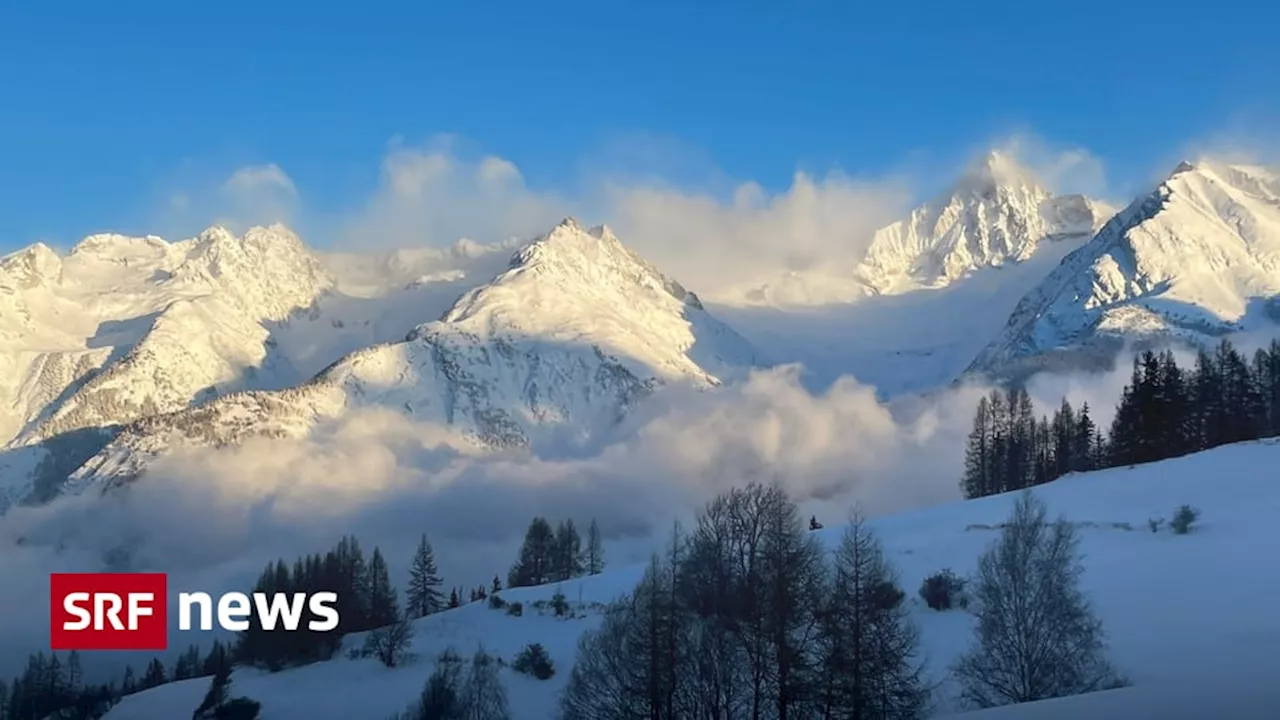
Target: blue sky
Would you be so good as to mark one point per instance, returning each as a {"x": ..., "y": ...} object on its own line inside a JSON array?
[{"x": 111, "y": 106}]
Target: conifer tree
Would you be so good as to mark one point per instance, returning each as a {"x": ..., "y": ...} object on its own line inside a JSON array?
[
  {"x": 217, "y": 660},
  {"x": 383, "y": 606},
  {"x": 537, "y": 556},
  {"x": 594, "y": 561},
  {"x": 75, "y": 674},
  {"x": 1124, "y": 447},
  {"x": 868, "y": 644},
  {"x": 424, "y": 596},
  {"x": 568, "y": 552},
  {"x": 1064, "y": 440},
  {"x": 1207, "y": 402},
  {"x": 1020, "y": 461},
  {"x": 1086, "y": 453},
  {"x": 155, "y": 675},
  {"x": 979, "y": 456}
]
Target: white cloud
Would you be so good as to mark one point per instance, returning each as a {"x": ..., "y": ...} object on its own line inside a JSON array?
[
  {"x": 259, "y": 178},
  {"x": 712, "y": 243},
  {"x": 257, "y": 195},
  {"x": 1061, "y": 169},
  {"x": 433, "y": 197},
  {"x": 214, "y": 517},
  {"x": 249, "y": 195}
]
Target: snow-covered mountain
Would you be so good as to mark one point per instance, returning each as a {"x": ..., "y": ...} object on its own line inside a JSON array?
[
  {"x": 933, "y": 288},
  {"x": 124, "y": 328},
  {"x": 1197, "y": 258},
  {"x": 571, "y": 335},
  {"x": 995, "y": 214}
]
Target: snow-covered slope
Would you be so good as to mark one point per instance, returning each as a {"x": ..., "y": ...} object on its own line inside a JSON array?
[
  {"x": 1197, "y": 258},
  {"x": 564, "y": 341},
  {"x": 1192, "y": 610},
  {"x": 995, "y": 214}
]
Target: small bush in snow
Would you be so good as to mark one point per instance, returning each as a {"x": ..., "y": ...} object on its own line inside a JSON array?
[
  {"x": 1155, "y": 524},
  {"x": 559, "y": 604},
  {"x": 943, "y": 590},
  {"x": 887, "y": 596},
  {"x": 496, "y": 602},
  {"x": 241, "y": 708},
  {"x": 533, "y": 660},
  {"x": 516, "y": 609},
  {"x": 1183, "y": 518}
]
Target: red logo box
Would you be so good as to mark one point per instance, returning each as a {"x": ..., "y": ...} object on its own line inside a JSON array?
[{"x": 108, "y": 611}]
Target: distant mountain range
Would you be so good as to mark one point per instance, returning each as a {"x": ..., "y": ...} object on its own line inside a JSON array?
[{"x": 125, "y": 348}]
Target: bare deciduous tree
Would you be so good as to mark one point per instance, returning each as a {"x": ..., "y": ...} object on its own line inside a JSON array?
[
  {"x": 483, "y": 697},
  {"x": 390, "y": 644},
  {"x": 1037, "y": 636}
]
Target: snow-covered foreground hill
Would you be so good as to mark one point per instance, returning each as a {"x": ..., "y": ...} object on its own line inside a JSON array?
[{"x": 1191, "y": 618}]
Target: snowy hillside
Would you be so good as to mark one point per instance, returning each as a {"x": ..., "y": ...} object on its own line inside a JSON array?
[
  {"x": 1197, "y": 258},
  {"x": 565, "y": 340},
  {"x": 995, "y": 214},
  {"x": 1190, "y": 610}
]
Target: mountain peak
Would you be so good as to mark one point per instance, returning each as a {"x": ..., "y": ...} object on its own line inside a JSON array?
[
  {"x": 216, "y": 234},
  {"x": 573, "y": 284},
  {"x": 1183, "y": 166},
  {"x": 995, "y": 213},
  {"x": 31, "y": 265}
]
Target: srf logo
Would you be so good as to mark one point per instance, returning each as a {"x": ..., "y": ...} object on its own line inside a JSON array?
[{"x": 108, "y": 611}]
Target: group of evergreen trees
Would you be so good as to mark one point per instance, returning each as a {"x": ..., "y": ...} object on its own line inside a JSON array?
[
  {"x": 53, "y": 684},
  {"x": 746, "y": 617},
  {"x": 1167, "y": 411},
  {"x": 366, "y": 600},
  {"x": 554, "y": 555},
  {"x": 1009, "y": 449},
  {"x": 1164, "y": 411}
]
